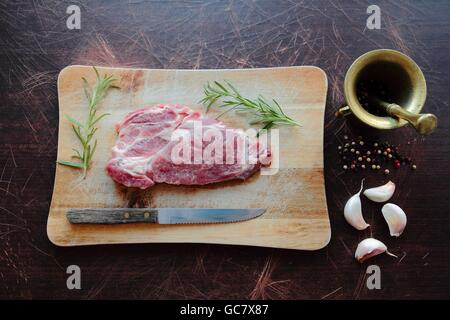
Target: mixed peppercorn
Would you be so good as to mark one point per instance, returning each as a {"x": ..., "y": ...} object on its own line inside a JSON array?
[
  {"x": 359, "y": 154},
  {"x": 366, "y": 89}
]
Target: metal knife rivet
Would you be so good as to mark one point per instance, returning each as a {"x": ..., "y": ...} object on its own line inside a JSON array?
[
  {"x": 146, "y": 215},
  {"x": 126, "y": 215}
]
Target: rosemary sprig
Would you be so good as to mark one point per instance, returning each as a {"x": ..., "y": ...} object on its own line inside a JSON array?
[
  {"x": 85, "y": 132},
  {"x": 266, "y": 113}
]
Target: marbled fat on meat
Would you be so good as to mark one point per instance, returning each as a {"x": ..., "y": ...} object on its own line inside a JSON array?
[{"x": 141, "y": 156}]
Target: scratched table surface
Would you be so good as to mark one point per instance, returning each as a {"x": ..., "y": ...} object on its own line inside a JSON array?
[{"x": 35, "y": 44}]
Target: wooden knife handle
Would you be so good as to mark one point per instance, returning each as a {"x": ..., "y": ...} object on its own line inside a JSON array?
[{"x": 112, "y": 215}]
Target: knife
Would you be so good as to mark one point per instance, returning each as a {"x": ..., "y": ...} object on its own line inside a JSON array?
[{"x": 160, "y": 215}]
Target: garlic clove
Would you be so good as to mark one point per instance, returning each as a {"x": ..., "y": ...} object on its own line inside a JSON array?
[
  {"x": 395, "y": 218},
  {"x": 369, "y": 248},
  {"x": 353, "y": 211},
  {"x": 382, "y": 193}
]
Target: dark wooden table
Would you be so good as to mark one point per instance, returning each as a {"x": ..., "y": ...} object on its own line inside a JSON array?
[{"x": 35, "y": 45}]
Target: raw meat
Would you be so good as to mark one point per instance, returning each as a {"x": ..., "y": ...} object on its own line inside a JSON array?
[{"x": 144, "y": 152}]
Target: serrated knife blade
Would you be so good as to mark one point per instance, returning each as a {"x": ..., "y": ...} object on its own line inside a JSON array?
[{"x": 160, "y": 215}]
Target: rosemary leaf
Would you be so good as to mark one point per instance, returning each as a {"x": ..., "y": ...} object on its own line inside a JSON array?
[
  {"x": 87, "y": 89},
  {"x": 100, "y": 117},
  {"x": 75, "y": 122},
  {"x": 77, "y": 154},
  {"x": 268, "y": 114},
  {"x": 85, "y": 132},
  {"x": 78, "y": 134},
  {"x": 70, "y": 164}
]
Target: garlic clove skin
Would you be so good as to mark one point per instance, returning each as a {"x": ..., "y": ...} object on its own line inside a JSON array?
[
  {"x": 395, "y": 218},
  {"x": 382, "y": 193},
  {"x": 369, "y": 248},
  {"x": 353, "y": 211}
]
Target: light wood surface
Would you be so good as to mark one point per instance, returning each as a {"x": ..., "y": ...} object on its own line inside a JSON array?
[{"x": 296, "y": 217}]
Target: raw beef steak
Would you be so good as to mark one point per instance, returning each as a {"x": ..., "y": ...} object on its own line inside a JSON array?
[{"x": 144, "y": 152}]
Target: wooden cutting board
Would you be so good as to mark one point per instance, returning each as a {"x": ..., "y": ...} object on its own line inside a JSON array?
[{"x": 296, "y": 217}]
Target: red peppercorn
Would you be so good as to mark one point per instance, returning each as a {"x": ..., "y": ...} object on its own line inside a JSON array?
[{"x": 397, "y": 164}]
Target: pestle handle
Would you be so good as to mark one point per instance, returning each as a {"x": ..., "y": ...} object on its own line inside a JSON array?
[{"x": 424, "y": 123}]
